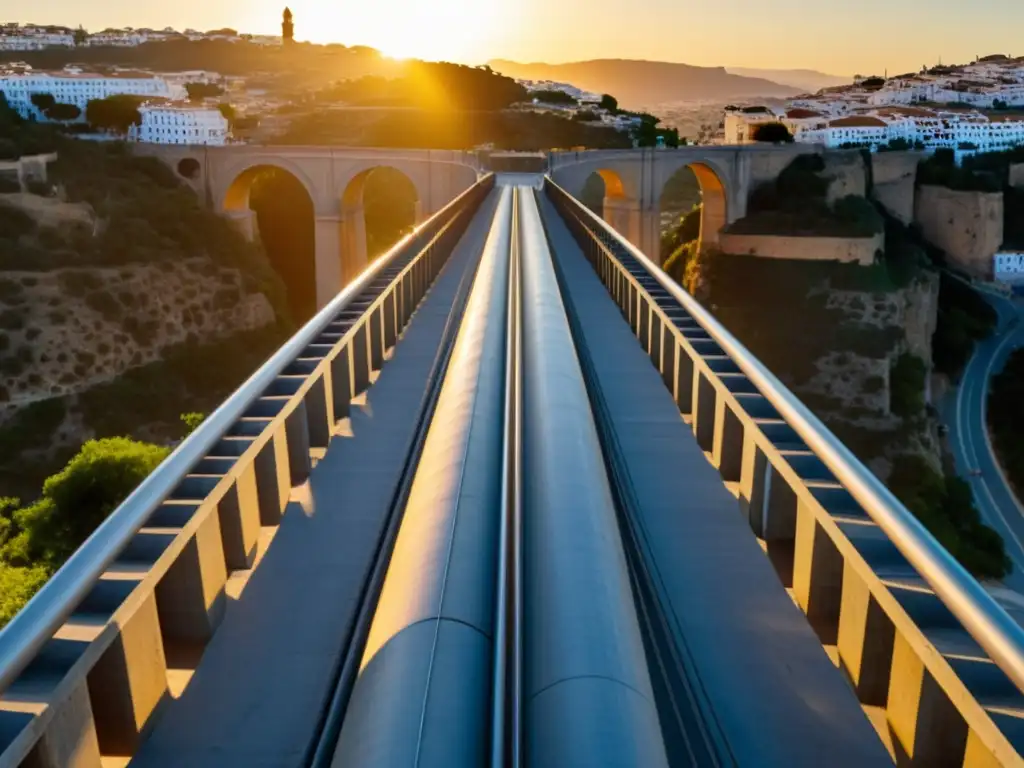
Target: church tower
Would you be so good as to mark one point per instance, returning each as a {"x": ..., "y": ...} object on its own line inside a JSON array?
[{"x": 287, "y": 28}]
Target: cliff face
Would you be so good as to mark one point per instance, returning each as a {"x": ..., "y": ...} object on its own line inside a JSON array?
[
  {"x": 893, "y": 176},
  {"x": 67, "y": 330},
  {"x": 834, "y": 333},
  {"x": 968, "y": 226}
]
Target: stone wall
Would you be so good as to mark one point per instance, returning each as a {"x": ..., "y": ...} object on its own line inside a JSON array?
[
  {"x": 848, "y": 249},
  {"x": 846, "y": 174},
  {"x": 1017, "y": 175},
  {"x": 893, "y": 175},
  {"x": 65, "y": 331},
  {"x": 28, "y": 168},
  {"x": 967, "y": 226}
]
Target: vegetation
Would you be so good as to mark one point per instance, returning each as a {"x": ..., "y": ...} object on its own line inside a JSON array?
[
  {"x": 115, "y": 113},
  {"x": 941, "y": 170},
  {"x": 946, "y": 507},
  {"x": 200, "y": 91},
  {"x": 192, "y": 421},
  {"x": 965, "y": 318},
  {"x": 431, "y": 86},
  {"x": 63, "y": 112},
  {"x": 1006, "y": 418},
  {"x": 775, "y": 133},
  {"x": 35, "y": 540},
  {"x": 444, "y": 129},
  {"x": 795, "y": 204},
  {"x": 553, "y": 97},
  {"x": 906, "y": 386}
]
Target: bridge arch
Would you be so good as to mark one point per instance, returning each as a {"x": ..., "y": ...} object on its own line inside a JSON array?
[
  {"x": 272, "y": 203},
  {"x": 379, "y": 205},
  {"x": 713, "y": 199}
]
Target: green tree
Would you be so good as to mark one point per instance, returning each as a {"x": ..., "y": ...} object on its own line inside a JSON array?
[
  {"x": 63, "y": 112},
  {"x": 229, "y": 113},
  {"x": 906, "y": 385},
  {"x": 81, "y": 36},
  {"x": 553, "y": 97},
  {"x": 200, "y": 91},
  {"x": 114, "y": 113},
  {"x": 610, "y": 103},
  {"x": 192, "y": 421},
  {"x": 42, "y": 101},
  {"x": 78, "y": 498},
  {"x": 775, "y": 133}
]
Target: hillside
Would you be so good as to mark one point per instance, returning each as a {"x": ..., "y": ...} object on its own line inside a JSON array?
[
  {"x": 637, "y": 83},
  {"x": 123, "y": 304},
  {"x": 805, "y": 79}
]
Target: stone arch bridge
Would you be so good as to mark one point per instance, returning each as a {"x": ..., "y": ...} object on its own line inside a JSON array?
[
  {"x": 635, "y": 179},
  {"x": 334, "y": 178}
]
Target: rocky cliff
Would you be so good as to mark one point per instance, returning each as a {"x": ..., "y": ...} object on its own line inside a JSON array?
[
  {"x": 67, "y": 330},
  {"x": 967, "y": 226},
  {"x": 839, "y": 335}
]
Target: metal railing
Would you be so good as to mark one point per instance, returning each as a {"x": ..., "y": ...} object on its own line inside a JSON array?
[
  {"x": 756, "y": 429},
  {"x": 44, "y": 614}
]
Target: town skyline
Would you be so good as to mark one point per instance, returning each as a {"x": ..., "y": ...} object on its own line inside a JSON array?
[{"x": 531, "y": 32}]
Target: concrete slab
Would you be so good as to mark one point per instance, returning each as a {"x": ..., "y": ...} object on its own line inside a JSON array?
[{"x": 257, "y": 694}]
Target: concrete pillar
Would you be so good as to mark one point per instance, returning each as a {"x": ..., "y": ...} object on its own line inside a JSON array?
[
  {"x": 328, "y": 237},
  {"x": 244, "y": 220},
  {"x": 712, "y": 219},
  {"x": 642, "y": 227},
  {"x": 354, "y": 256},
  {"x": 623, "y": 215}
]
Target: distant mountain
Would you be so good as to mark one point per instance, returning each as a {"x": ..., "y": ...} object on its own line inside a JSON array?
[
  {"x": 809, "y": 80},
  {"x": 639, "y": 83}
]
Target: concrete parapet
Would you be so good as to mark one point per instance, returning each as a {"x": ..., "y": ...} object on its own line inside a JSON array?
[{"x": 860, "y": 250}]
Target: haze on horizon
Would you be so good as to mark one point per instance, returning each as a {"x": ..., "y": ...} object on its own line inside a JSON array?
[{"x": 866, "y": 38}]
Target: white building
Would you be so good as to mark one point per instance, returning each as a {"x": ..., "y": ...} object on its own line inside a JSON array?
[
  {"x": 71, "y": 86},
  {"x": 180, "y": 124}
]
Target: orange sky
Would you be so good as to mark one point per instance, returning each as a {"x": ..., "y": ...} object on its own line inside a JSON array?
[{"x": 847, "y": 38}]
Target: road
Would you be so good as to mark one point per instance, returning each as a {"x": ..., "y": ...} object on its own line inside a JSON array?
[{"x": 965, "y": 414}]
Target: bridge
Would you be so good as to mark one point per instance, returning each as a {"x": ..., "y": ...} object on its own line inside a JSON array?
[
  {"x": 335, "y": 178},
  {"x": 512, "y": 497}
]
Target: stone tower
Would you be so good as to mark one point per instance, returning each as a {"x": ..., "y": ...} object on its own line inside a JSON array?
[{"x": 287, "y": 28}]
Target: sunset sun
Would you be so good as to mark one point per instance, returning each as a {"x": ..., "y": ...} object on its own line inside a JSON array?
[{"x": 405, "y": 29}]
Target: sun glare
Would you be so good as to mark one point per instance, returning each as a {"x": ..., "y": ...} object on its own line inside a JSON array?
[{"x": 453, "y": 30}]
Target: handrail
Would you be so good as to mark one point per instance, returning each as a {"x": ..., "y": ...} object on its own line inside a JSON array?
[
  {"x": 43, "y": 615},
  {"x": 983, "y": 618}
]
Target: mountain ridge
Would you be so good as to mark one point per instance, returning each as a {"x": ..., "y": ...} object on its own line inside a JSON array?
[{"x": 636, "y": 82}]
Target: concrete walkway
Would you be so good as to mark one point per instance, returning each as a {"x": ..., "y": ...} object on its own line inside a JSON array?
[{"x": 257, "y": 695}]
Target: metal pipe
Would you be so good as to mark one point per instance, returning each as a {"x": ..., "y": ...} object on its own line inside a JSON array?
[
  {"x": 982, "y": 617},
  {"x": 507, "y": 680},
  {"x": 43, "y": 615}
]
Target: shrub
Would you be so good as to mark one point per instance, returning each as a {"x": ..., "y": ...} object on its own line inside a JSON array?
[
  {"x": 776, "y": 133},
  {"x": 79, "y": 497},
  {"x": 39, "y": 187},
  {"x": 42, "y": 101},
  {"x": 14, "y": 222},
  {"x": 192, "y": 421},
  {"x": 1006, "y": 417},
  {"x": 906, "y": 385},
  {"x": 946, "y": 508}
]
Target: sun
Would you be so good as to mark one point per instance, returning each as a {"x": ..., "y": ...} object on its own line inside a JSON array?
[{"x": 452, "y": 30}]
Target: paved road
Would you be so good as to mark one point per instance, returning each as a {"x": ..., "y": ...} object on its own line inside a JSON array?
[{"x": 964, "y": 412}]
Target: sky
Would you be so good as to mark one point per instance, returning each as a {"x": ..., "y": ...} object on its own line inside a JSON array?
[{"x": 843, "y": 38}]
